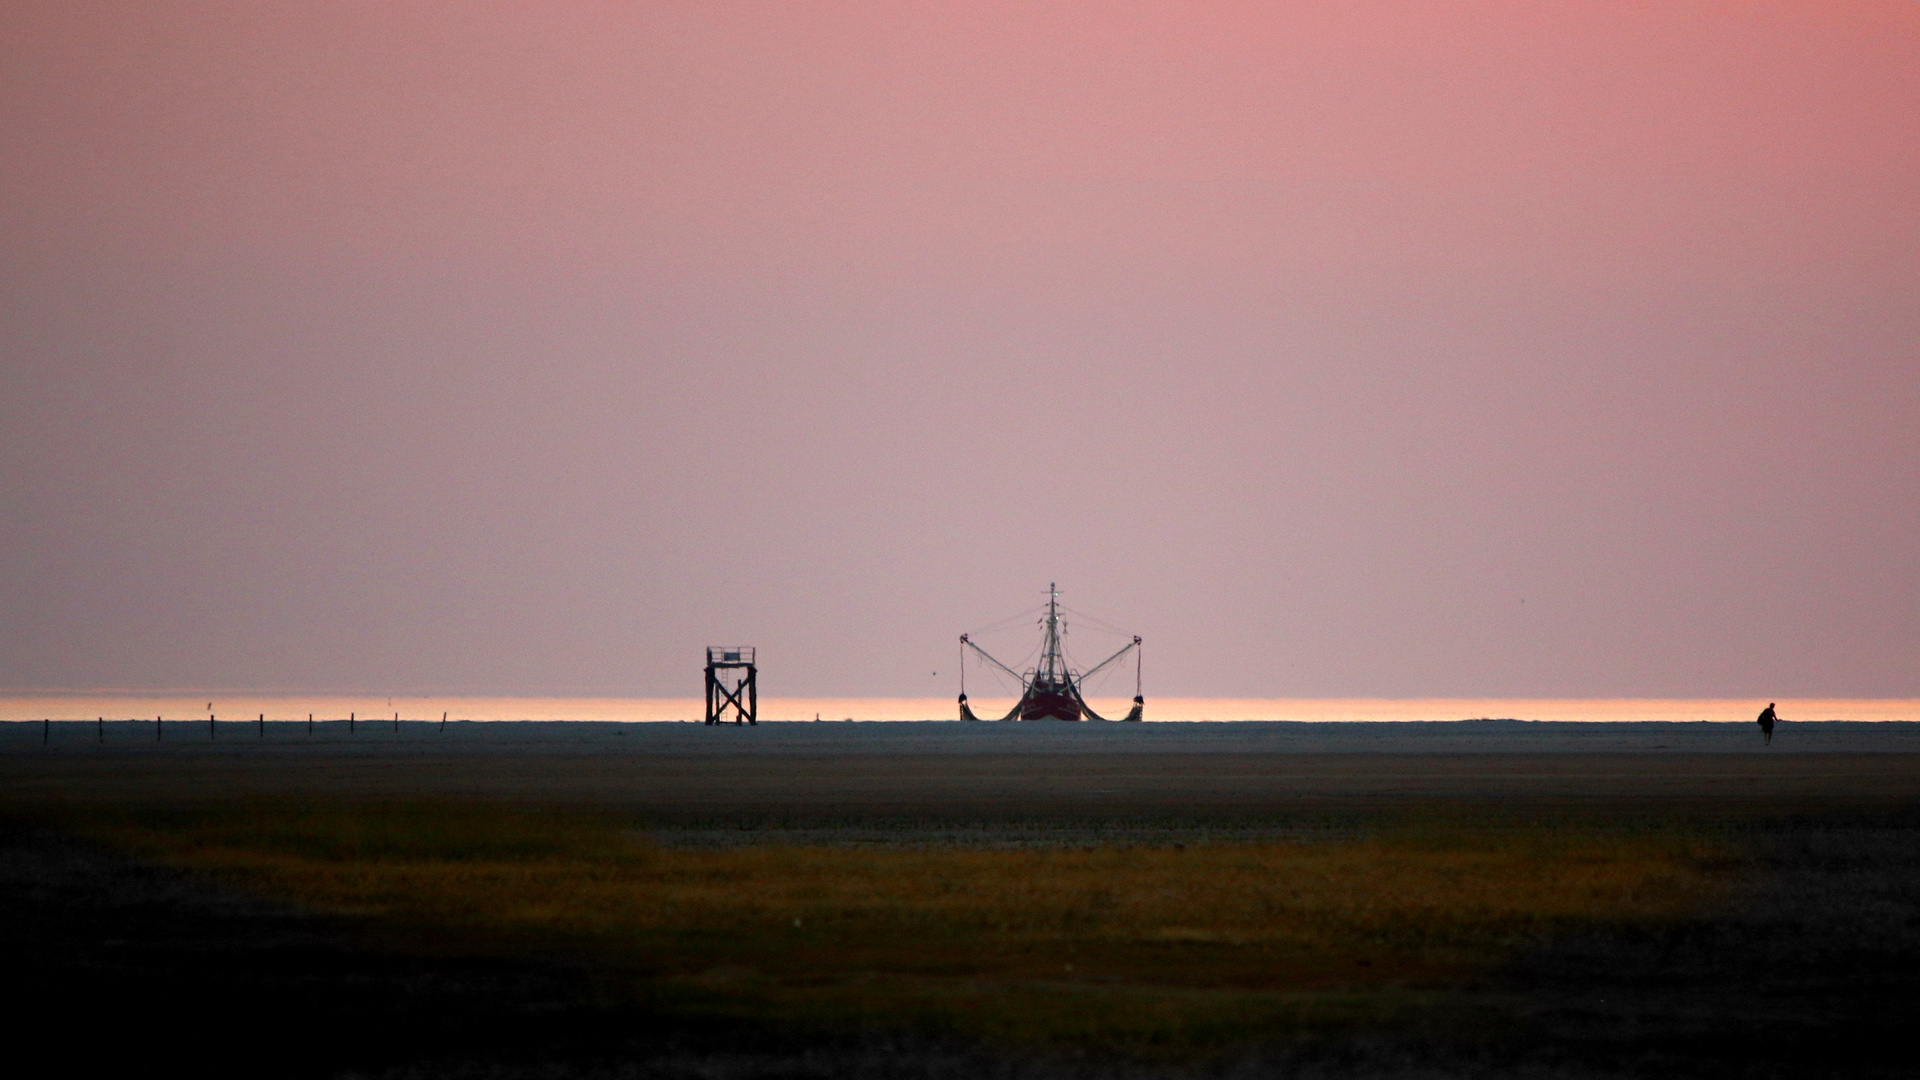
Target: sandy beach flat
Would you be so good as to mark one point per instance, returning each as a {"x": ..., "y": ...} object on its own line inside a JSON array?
[
  {"x": 996, "y": 768},
  {"x": 939, "y": 737}
]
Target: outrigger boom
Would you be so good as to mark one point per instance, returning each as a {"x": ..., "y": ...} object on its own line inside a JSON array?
[{"x": 1052, "y": 690}]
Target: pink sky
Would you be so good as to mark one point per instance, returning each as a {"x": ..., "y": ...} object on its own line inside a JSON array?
[{"x": 1368, "y": 349}]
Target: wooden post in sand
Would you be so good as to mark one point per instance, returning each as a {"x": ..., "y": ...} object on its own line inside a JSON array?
[
  {"x": 349, "y": 723},
  {"x": 263, "y": 725},
  {"x": 102, "y": 722},
  {"x": 46, "y": 730},
  {"x": 309, "y": 723},
  {"x": 158, "y": 724},
  {"x": 209, "y": 725},
  {"x": 396, "y": 723},
  {"x": 443, "y": 721}
]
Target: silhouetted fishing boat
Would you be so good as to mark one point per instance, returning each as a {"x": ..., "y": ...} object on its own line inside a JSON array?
[{"x": 1051, "y": 690}]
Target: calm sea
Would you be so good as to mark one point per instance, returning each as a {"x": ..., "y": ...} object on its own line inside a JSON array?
[{"x": 238, "y": 705}]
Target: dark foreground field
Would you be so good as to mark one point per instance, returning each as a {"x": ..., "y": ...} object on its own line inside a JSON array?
[{"x": 316, "y": 911}]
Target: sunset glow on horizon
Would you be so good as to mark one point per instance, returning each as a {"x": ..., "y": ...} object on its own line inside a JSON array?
[{"x": 243, "y": 707}]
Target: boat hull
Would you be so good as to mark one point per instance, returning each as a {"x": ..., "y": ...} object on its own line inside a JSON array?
[{"x": 1043, "y": 705}]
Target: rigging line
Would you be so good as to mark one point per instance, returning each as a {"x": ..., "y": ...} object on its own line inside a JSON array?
[
  {"x": 1104, "y": 663},
  {"x": 1027, "y": 660},
  {"x": 1091, "y": 635},
  {"x": 1098, "y": 685},
  {"x": 1095, "y": 668},
  {"x": 991, "y": 660},
  {"x": 1010, "y": 620},
  {"x": 1000, "y": 690},
  {"x": 1030, "y": 656},
  {"x": 1099, "y": 623},
  {"x": 993, "y": 670},
  {"x": 1023, "y": 618}
]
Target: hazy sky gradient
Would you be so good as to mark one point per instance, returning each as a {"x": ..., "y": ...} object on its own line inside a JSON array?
[{"x": 1361, "y": 349}]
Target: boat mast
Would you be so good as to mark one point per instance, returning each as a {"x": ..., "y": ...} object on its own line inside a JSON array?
[{"x": 1052, "y": 665}]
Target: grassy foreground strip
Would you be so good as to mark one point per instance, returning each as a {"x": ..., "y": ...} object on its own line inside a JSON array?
[{"x": 1132, "y": 948}]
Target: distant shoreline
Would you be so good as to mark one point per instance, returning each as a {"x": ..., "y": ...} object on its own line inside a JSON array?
[{"x": 289, "y": 706}]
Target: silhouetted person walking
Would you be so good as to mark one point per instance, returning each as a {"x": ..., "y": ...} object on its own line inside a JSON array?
[{"x": 1767, "y": 718}]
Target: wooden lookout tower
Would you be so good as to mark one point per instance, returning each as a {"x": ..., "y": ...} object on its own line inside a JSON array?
[{"x": 724, "y": 663}]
